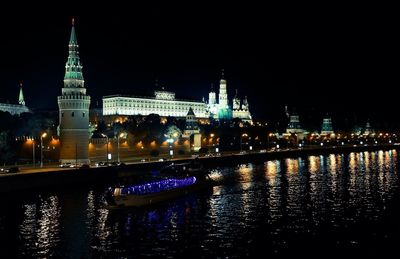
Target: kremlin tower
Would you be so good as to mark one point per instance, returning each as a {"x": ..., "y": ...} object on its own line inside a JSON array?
[{"x": 74, "y": 109}]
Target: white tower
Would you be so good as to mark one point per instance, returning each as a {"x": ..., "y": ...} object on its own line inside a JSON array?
[
  {"x": 74, "y": 109},
  {"x": 245, "y": 104},
  {"x": 212, "y": 97},
  {"x": 236, "y": 102},
  {"x": 223, "y": 96}
]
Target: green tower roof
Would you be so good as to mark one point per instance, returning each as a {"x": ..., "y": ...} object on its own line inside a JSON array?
[
  {"x": 73, "y": 68},
  {"x": 21, "y": 99}
]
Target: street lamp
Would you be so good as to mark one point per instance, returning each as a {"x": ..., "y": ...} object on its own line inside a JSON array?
[
  {"x": 241, "y": 136},
  {"x": 120, "y": 135},
  {"x": 41, "y": 148},
  {"x": 33, "y": 151},
  {"x": 106, "y": 148},
  {"x": 269, "y": 135},
  {"x": 170, "y": 141}
]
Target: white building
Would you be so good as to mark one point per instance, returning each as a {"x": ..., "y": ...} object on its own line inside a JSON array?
[
  {"x": 15, "y": 109},
  {"x": 163, "y": 103},
  {"x": 241, "y": 109},
  {"x": 222, "y": 110}
]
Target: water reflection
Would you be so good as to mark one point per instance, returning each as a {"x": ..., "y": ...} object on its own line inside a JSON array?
[
  {"x": 336, "y": 202},
  {"x": 40, "y": 228}
]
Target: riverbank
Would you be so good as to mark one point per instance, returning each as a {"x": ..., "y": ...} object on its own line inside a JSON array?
[{"x": 53, "y": 177}]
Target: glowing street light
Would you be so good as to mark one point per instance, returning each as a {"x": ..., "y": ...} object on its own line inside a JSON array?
[
  {"x": 120, "y": 135},
  {"x": 170, "y": 141},
  {"x": 41, "y": 148},
  {"x": 106, "y": 147},
  {"x": 33, "y": 151},
  {"x": 241, "y": 140}
]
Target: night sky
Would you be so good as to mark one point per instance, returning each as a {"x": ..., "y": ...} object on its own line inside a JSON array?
[{"x": 316, "y": 59}]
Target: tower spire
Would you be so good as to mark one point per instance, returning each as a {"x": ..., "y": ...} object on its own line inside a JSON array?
[
  {"x": 72, "y": 39},
  {"x": 73, "y": 69},
  {"x": 222, "y": 74},
  {"x": 21, "y": 99}
]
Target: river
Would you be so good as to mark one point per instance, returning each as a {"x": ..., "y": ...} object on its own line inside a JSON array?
[{"x": 344, "y": 204}]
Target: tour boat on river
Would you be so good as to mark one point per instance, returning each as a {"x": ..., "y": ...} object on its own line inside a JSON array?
[{"x": 155, "y": 191}]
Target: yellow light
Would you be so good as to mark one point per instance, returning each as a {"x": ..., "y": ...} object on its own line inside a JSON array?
[
  {"x": 212, "y": 135},
  {"x": 44, "y": 135}
]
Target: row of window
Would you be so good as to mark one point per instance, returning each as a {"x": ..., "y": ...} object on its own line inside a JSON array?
[
  {"x": 120, "y": 102},
  {"x": 72, "y": 114}
]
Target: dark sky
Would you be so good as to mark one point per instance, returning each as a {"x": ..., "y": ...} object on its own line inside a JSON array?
[{"x": 341, "y": 60}]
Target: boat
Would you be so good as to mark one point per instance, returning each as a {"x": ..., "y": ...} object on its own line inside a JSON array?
[{"x": 155, "y": 191}]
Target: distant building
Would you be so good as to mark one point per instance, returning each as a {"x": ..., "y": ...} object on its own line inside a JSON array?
[
  {"x": 326, "y": 128},
  {"x": 191, "y": 124},
  {"x": 368, "y": 129},
  {"x": 241, "y": 111},
  {"x": 16, "y": 109},
  {"x": 74, "y": 109},
  {"x": 222, "y": 110},
  {"x": 163, "y": 103},
  {"x": 294, "y": 127}
]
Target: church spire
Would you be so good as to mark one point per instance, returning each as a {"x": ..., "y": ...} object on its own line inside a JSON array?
[
  {"x": 73, "y": 69},
  {"x": 21, "y": 99}
]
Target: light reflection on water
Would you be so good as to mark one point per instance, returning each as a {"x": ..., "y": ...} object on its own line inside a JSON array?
[{"x": 336, "y": 202}]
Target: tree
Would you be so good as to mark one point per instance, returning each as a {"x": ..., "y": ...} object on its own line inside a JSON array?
[{"x": 7, "y": 150}]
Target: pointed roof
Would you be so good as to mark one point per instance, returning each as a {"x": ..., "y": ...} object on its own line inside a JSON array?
[
  {"x": 190, "y": 112},
  {"x": 72, "y": 39},
  {"x": 212, "y": 88},
  {"x": 73, "y": 68},
  {"x": 236, "y": 94},
  {"x": 21, "y": 100}
]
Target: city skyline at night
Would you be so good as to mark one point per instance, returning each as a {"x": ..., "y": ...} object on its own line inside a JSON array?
[{"x": 315, "y": 63}]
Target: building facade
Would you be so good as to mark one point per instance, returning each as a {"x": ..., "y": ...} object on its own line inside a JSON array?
[
  {"x": 294, "y": 127},
  {"x": 163, "y": 103},
  {"x": 222, "y": 109},
  {"x": 191, "y": 126},
  {"x": 74, "y": 109},
  {"x": 16, "y": 109},
  {"x": 327, "y": 128}
]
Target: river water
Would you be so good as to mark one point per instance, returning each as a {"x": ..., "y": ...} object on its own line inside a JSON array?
[{"x": 343, "y": 204}]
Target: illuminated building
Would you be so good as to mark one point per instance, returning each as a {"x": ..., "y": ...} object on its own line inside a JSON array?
[
  {"x": 191, "y": 124},
  {"x": 241, "y": 110},
  {"x": 15, "y": 109},
  {"x": 368, "y": 129},
  {"x": 294, "y": 127},
  {"x": 163, "y": 103},
  {"x": 326, "y": 128},
  {"x": 74, "y": 109}
]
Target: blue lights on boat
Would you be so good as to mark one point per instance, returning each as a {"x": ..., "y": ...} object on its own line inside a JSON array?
[{"x": 158, "y": 186}]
